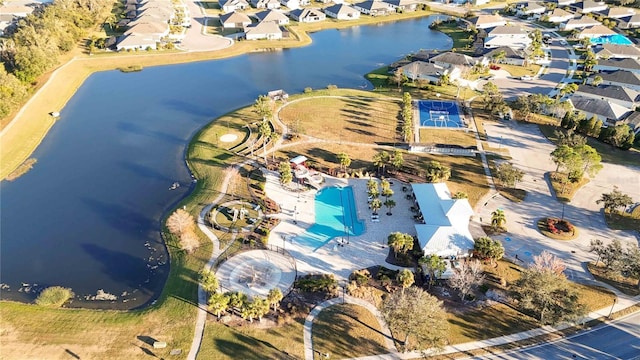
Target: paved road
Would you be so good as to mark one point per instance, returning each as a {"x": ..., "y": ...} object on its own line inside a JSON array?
[
  {"x": 196, "y": 38},
  {"x": 619, "y": 340}
]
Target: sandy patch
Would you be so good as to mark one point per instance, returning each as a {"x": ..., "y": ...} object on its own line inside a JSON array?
[{"x": 228, "y": 138}]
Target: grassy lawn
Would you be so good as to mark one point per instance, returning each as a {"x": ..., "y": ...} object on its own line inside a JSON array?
[
  {"x": 623, "y": 221},
  {"x": 563, "y": 188},
  {"x": 517, "y": 71},
  {"x": 363, "y": 119},
  {"x": 347, "y": 331},
  {"x": 609, "y": 153},
  {"x": 627, "y": 285},
  {"x": 462, "y": 39},
  {"x": 510, "y": 193},
  {"x": 453, "y": 137}
]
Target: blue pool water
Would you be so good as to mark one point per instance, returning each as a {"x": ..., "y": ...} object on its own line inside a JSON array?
[
  {"x": 436, "y": 113},
  {"x": 336, "y": 215},
  {"x": 611, "y": 39}
]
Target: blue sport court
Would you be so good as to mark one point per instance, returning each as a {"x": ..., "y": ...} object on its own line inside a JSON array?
[
  {"x": 336, "y": 215},
  {"x": 440, "y": 114}
]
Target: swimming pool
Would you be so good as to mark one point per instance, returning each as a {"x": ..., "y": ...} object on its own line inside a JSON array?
[
  {"x": 336, "y": 215},
  {"x": 611, "y": 39},
  {"x": 441, "y": 114}
]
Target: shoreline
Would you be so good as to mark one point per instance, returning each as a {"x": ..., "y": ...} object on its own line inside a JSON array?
[{"x": 20, "y": 138}]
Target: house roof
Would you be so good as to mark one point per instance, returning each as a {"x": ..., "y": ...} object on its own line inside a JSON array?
[
  {"x": 453, "y": 59},
  {"x": 340, "y": 9},
  {"x": 633, "y": 120},
  {"x": 263, "y": 27},
  {"x": 421, "y": 68},
  {"x": 401, "y": 2},
  {"x": 235, "y": 18},
  {"x": 151, "y": 28},
  {"x": 372, "y": 5},
  {"x": 557, "y": 12},
  {"x": 298, "y": 159},
  {"x": 627, "y": 63},
  {"x": 534, "y": 6},
  {"x": 446, "y": 228},
  {"x": 630, "y": 19},
  {"x": 233, "y": 3},
  {"x": 603, "y": 108},
  {"x": 618, "y": 11},
  {"x": 507, "y": 30},
  {"x": 622, "y": 77},
  {"x": 611, "y": 50},
  {"x": 597, "y": 30},
  {"x": 587, "y": 4},
  {"x": 135, "y": 40},
  {"x": 610, "y": 92},
  {"x": 583, "y": 21},
  {"x": 509, "y": 52},
  {"x": 271, "y": 15},
  {"x": 303, "y": 13},
  {"x": 486, "y": 19}
]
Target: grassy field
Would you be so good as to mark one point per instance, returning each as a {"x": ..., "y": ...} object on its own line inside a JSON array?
[
  {"x": 347, "y": 331},
  {"x": 622, "y": 221},
  {"x": 453, "y": 137},
  {"x": 518, "y": 71},
  {"x": 462, "y": 39},
  {"x": 626, "y": 285}
]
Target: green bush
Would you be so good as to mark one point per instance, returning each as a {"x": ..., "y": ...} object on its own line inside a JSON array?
[
  {"x": 317, "y": 283},
  {"x": 54, "y": 296},
  {"x": 308, "y": 90},
  {"x": 361, "y": 277}
]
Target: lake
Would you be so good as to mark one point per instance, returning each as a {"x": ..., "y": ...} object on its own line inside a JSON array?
[{"x": 87, "y": 216}]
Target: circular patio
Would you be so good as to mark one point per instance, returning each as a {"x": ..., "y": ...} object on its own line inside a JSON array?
[{"x": 255, "y": 272}]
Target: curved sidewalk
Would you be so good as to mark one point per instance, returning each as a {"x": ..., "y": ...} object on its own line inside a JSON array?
[{"x": 308, "y": 324}]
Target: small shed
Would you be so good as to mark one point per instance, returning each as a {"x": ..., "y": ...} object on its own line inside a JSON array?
[
  {"x": 298, "y": 160},
  {"x": 278, "y": 95}
]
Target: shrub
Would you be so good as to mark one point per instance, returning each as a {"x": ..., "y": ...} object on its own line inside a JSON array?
[
  {"x": 361, "y": 277},
  {"x": 54, "y": 296},
  {"x": 308, "y": 90},
  {"x": 317, "y": 283},
  {"x": 332, "y": 87}
]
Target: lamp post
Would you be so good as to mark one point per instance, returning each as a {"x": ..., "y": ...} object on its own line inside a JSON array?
[{"x": 615, "y": 300}]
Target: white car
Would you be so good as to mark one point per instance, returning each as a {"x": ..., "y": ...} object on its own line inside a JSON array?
[
  {"x": 526, "y": 77},
  {"x": 563, "y": 42}
]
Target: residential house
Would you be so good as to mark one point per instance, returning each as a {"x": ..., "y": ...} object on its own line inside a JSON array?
[
  {"x": 589, "y": 6},
  {"x": 136, "y": 42},
  {"x": 561, "y": 3},
  {"x": 265, "y": 4},
  {"x": 154, "y": 30},
  {"x": 632, "y": 65},
  {"x": 633, "y": 120},
  {"x": 264, "y": 30},
  {"x": 235, "y": 20},
  {"x": 629, "y": 22},
  {"x": 485, "y": 22},
  {"x": 559, "y": 16},
  {"x": 342, "y": 12},
  {"x": 620, "y": 77},
  {"x": 451, "y": 59},
  {"x": 596, "y": 31},
  {"x": 331, "y": 1},
  {"x": 531, "y": 8},
  {"x": 512, "y": 36},
  {"x": 307, "y": 15},
  {"x": 620, "y": 95},
  {"x": 507, "y": 55},
  {"x": 420, "y": 70},
  {"x": 445, "y": 231},
  {"x": 580, "y": 23},
  {"x": 233, "y": 5},
  {"x": 471, "y": 2},
  {"x": 160, "y": 13},
  {"x": 617, "y": 12},
  {"x": 373, "y": 8},
  {"x": 605, "y": 110},
  {"x": 403, "y": 5},
  {"x": 16, "y": 10},
  {"x": 272, "y": 15},
  {"x": 606, "y": 51},
  {"x": 295, "y": 4}
]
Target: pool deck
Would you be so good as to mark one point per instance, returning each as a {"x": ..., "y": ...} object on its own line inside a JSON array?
[{"x": 362, "y": 251}]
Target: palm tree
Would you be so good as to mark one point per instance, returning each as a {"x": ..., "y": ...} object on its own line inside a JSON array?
[
  {"x": 262, "y": 107},
  {"x": 405, "y": 278},
  {"x": 219, "y": 303},
  {"x": 437, "y": 172},
  {"x": 376, "y": 204},
  {"x": 372, "y": 188},
  {"x": 380, "y": 160},
  {"x": 498, "y": 219},
  {"x": 597, "y": 80},
  {"x": 237, "y": 300},
  {"x": 265, "y": 132},
  {"x": 390, "y": 204},
  {"x": 344, "y": 160},
  {"x": 274, "y": 296},
  {"x": 397, "y": 160},
  {"x": 387, "y": 193},
  {"x": 208, "y": 281},
  {"x": 273, "y": 138},
  {"x": 396, "y": 241},
  {"x": 260, "y": 307},
  {"x": 435, "y": 266}
]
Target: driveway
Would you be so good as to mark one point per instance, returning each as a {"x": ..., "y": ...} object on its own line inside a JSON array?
[{"x": 530, "y": 152}]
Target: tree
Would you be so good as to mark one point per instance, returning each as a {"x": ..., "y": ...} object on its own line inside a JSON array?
[
  {"x": 498, "y": 56},
  {"x": 460, "y": 195},
  {"x": 570, "y": 138},
  {"x": 180, "y": 222},
  {"x": 390, "y": 204},
  {"x": 445, "y": 79},
  {"x": 590, "y": 59},
  {"x": 265, "y": 132},
  {"x": 509, "y": 175},
  {"x": 398, "y": 78},
  {"x": 468, "y": 276},
  {"x": 372, "y": 188},
  {"x": 590, "y": 159},
  {"x": 387, "y": 192},
  {"x": 400, "y": 243},
  {"x": 189, "y": 241},
  {"x": 547, "y": 296},
  {"x": 417, "y": 315},
  {"x": 566, "y": 157},
  {"x": 436, "y": 172},
  {"x": 263, "y": 108},
  {"x": 498, "y": 219},
  {"x": 405, "y": 278},
  {"x": 568, "y": 89},
  {"x": 397, "y": 160},
  {"x": 614, "y": 200},
  {"x": 273, "y": 138},
  {"x": 260, "y": 307},
  {"x": 274, "y": 296},
  {"x": 487, "y": 248},
  {"x": 208, "y": 281},
  {"x": 492, "y": 98},
  {"x": 237, "y": 300},
  {"x": 435, "y": 267},
  {"x": 546, "y": 261},
  {"x": 380, "y": 160},
  {"x": 286, "y": 176},
  {"x": 597, "y": 80},
  {"x": 218, "y": 303},
  {"x": 344, "y": 160},
  {"x": 376, "y": 204}
]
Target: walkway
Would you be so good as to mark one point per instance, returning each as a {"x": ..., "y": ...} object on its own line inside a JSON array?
[{"x": 308, "y": 323}]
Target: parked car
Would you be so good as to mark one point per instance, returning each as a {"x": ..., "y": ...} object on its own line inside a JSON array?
[
  {"x": 494, "y": 67},
  {"x": 526, "y": 77},
  {"x": 563, "y": 42}
]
